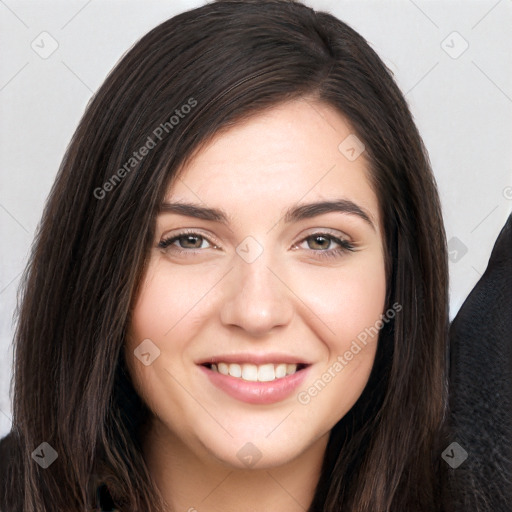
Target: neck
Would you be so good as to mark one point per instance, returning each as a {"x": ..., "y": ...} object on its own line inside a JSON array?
[{"x": 192, "y": 483}]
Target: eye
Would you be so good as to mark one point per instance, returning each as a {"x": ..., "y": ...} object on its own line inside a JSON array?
[
  {"x": 187, "y": 241},
  {"x": 191, "y": 243},
  {"x": 319, "y": 242}
]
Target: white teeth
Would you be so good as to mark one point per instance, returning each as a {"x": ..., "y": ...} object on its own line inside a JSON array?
[
  {"x": 280, "y": 371},
  {"x": 255, "y": 373},
  {"x": 235, "y": 370},
  {"x": 250, "y": 372},
  {"x": 223, "y": 368},
  {"x": 266, "y": 373},
  {"x": 291, "y": 368}
]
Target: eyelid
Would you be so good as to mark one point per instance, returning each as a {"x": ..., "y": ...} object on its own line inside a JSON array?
[
  {"x": 344, "y": 241},
  {"x": 344, "y": 245},
  {"x": 192, "y": 231},
  {"x": 325, "y": 231},
  {"x": 210, "y": 237}
]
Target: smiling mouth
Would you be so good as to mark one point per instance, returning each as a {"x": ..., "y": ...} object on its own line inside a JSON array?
[{"x": 256, "y": 373}]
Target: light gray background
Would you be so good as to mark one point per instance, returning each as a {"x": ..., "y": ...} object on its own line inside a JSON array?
[{"x": 462, "y": 103}]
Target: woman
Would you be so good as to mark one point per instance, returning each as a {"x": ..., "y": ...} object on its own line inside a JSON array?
[{"x": 247, "y": 370}]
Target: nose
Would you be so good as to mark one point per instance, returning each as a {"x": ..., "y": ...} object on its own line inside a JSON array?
[{"x": 257, "y": 300}]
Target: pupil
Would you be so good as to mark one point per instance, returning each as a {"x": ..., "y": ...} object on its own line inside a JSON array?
[
  {"x": 191, "y": 238},
  {"x": 320, "y": 238}
]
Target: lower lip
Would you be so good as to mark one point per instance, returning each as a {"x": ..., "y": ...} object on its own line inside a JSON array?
[{"x": 256, "y": 392}]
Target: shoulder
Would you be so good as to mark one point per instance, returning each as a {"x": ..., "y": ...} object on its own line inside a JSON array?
[{"x": 481, "y": 387}]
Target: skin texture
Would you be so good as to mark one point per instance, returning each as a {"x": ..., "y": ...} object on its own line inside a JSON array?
[{"x": 210, "y": 301}]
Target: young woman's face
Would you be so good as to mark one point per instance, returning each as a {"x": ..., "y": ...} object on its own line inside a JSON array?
[{"x": 242, "y": 337}]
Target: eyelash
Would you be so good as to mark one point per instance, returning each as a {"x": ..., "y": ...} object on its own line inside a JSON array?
[{"x": 345, "y": 245}]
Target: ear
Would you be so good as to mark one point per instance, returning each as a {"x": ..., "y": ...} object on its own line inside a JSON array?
[{"x": 480, "y": 391}]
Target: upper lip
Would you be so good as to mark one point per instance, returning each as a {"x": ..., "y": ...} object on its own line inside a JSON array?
[{"x": 256, "y": 359}]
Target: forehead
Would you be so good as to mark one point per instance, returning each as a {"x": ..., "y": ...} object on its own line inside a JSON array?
[{"x": 294, "y": 152}]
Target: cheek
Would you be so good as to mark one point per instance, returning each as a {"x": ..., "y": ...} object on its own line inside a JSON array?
[
  {"x": 167, "y": 300},
  {"x": 159, "y": 313},
  {"x": 348, "y": 307},
  {"x": 165, "y": 313},
  {"x": 347, "y": 299}
]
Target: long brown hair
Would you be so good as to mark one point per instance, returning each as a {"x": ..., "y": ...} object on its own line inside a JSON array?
[{"x": 227, "y": 60}]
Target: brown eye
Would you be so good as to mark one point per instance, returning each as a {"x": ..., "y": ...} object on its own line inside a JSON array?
[
  {"x": 319, "y": 244},
  {"x": 185, "y": 241},
  {"x": 194, "y": 240},
  {"x": 320, "y": 240}
]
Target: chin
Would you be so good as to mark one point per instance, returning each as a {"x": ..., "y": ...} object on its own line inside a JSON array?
[
  {"x": 262, "y": 448},
  {"x": 258, "y": 454}
]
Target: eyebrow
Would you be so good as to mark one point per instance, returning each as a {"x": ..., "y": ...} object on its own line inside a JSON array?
[{"x": 293, "y": 214}]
